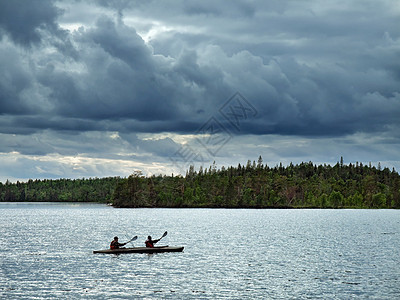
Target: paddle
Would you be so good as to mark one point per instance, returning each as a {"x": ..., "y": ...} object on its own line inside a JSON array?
[
  {"x": 165, "y": 233},
  {"x": 150, "y": 243},
  {"x": 132, "y": 239}
]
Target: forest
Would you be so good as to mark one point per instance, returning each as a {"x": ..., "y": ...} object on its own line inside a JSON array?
[
  {"x": 254, "y": 185},
  {"x": 60, "y": 190}
]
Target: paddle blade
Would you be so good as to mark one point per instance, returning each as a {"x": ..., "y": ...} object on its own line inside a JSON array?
[
  {"x": 165, "y": 233},
  {"x": 132, "y": 239}
]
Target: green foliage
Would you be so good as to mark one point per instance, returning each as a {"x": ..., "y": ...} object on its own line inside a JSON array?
[
  {"x": 258, "y": 186},
  {"x": 60, "y": 190},
  {"x": 378, "y": 201},
  {"x": 335, "y": 199},
  {"x": 253, "y": 186}
]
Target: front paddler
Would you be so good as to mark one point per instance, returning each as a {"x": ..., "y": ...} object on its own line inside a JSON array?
[{"x": 150, "y": 243}]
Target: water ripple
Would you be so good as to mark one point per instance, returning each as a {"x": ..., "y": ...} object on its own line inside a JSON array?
[{"x": 229, "y": 254}]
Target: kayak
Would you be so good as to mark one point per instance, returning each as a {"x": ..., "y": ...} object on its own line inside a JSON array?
[{"x": 141, "y": 250}]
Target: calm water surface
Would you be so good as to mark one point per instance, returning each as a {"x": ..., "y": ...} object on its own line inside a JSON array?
[{"x": 47, "y": 249}]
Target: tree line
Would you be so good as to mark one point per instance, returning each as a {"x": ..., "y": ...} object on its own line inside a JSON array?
[
  {"x": 253, "y": 185},
  {"x": 256, "y": 185},
  {"x": 60, "y": 190}
]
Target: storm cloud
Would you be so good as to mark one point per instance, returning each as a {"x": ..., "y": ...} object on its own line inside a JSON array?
[{"x": 151, "y": 74}]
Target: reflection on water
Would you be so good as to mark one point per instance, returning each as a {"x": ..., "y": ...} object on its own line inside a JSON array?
[{"x": 233, "y": 254}]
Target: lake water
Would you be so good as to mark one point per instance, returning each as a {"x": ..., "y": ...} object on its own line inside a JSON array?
[{"x": 47, "y": 249}]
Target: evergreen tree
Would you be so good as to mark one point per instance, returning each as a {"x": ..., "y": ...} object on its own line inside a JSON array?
[{"x": 301, "y": 185}]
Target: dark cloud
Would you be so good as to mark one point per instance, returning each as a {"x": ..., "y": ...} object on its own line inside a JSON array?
[
  {"x": 235, "y": 9},
  {"x": 123, "y": 43},
  {"x": 23, "y": 20},
  {"x": 309, "y": 69},
  {"x": 14, "y": 79}
]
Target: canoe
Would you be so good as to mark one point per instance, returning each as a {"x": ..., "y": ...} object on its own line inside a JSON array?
[{"x": 141, "y": 250}]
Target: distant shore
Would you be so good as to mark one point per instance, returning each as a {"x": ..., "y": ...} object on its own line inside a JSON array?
[{"x": 255, "y": 186}]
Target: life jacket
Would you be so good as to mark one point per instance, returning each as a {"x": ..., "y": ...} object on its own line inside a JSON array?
[
  {"x": 113, "y": 245},
  {"x": 149, "y": 244}
]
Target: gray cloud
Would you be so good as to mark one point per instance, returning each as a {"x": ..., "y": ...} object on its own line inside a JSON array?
[
  {"x": 24, "y": 21},
  {"x": 311, "y": 69},
  {"x": 121, "y": 78}
]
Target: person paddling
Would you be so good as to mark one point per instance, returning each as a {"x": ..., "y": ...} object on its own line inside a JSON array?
[
  {"x": 115, "y": 244},
  {"x": 150, "y": 243}
]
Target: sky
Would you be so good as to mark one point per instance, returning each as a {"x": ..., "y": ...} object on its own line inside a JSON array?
[{"x": 111, "y": 88}]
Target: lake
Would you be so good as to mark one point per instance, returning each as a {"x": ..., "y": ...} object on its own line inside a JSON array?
[{"x": 47, "y": 249}]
